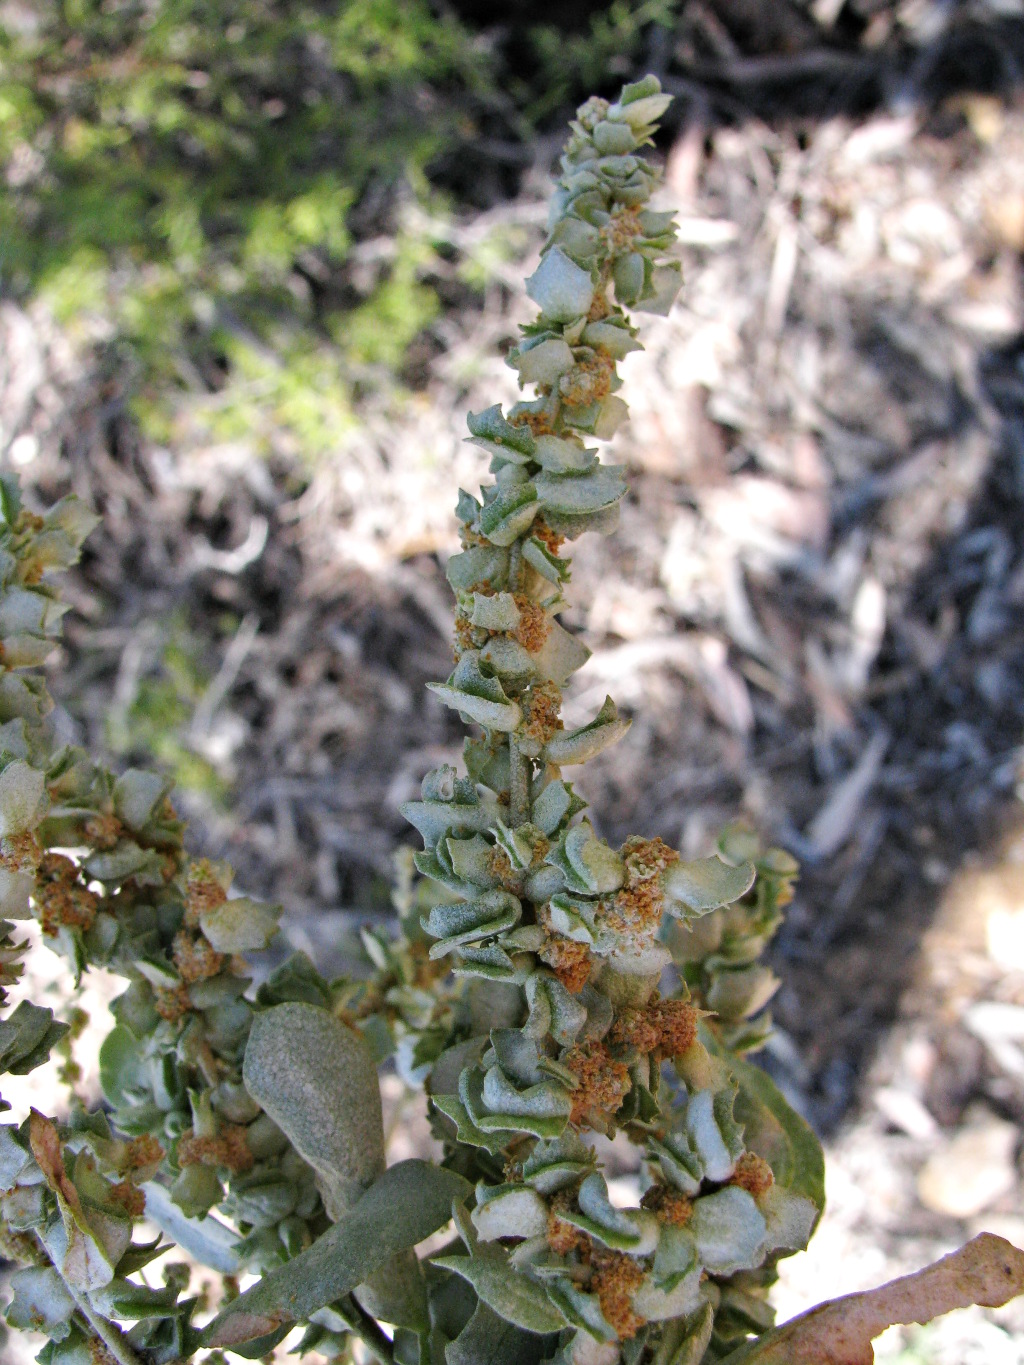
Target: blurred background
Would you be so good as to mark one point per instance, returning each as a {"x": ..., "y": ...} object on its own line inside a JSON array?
[{"x": 258, "y": 258}]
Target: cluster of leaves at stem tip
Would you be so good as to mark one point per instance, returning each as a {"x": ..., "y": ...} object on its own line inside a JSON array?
[{"x": 527, "y": 988}]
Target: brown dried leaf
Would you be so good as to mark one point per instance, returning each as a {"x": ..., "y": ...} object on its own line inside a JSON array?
[
  {"x": 45, "y": 1144},
  {"x": 245, "y": 1327},
  {"x": 987, "y": 1271},
  {"x": 85, "y": 1261}
]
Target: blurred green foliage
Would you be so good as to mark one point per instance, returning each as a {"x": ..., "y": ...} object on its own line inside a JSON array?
[
  {"x": 180, "y": 176},
  {"x": 154, "y": 724},
  {"x": 197, "y": 182}
]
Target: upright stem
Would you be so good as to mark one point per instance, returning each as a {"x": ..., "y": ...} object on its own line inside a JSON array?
[
  {"x": 519, "y": 784},
  {"x": 515, "y": 566}
]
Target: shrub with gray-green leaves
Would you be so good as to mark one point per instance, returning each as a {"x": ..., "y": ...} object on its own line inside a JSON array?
[{"x": 547, "y": 991}]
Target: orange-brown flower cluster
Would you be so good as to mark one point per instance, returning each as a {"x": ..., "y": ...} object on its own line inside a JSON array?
[
  {"x": 538, "y": 422},
  {"x": 602, "y": 1082},
  {"x": 103, "y": 831},
  {"x": 541, "y": 705},
  {"x": 676, "y": 1022},
  {"x": 202, "y": 891},
  {"x": 615, "y": 1279},
  {"x": 464, "y": 629},
  {"x": 21, "y": 852},
  {"x": 229, "y": 1148},
  {"x": 541, "y": 531},
  {"x": 753, "y": 1174},
  {"x": 564, "y": 1237},
  {"x": 622, "y": 228},
  {"x": 172, "y": 1002},
  {"x": 667, "y": 1027},
  {"x": 61, "y": 898},
  {"x": 129, "y": 1197},
  {"x": 569, "y": 961},
  {"x": 637, "y": 909},
  {"x": 142, "y": 1152},
  {"x": 646, "y": 858},
  {"x": 499, "y": 864},
  {"x": 589, "y": 380},
  {"x": 195, "y": 958},
  {"x": 635, "y": 1028},
  {"x": 534, "y": 624},
  {"x": 600, "y": 308},
  {"x": 668, "y": 1205}
]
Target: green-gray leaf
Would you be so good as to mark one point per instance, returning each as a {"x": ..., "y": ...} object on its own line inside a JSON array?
[
  {"x": 408, "y": 1203},
  {"x": 316, "y": 1079},
  {"x": 488, "y": 1340},
  {"x": 560, "y": 288},
  {"x": 775, "y": 1131},
  {"x": 512, "y": 1296},
  {"x": 705, "y": 884}
]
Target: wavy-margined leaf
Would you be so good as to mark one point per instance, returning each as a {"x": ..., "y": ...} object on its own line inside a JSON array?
[
  {"x": 495, "y": 1102},
  {"x": 509, "y": 514},
  {"x": 514, "y": 1297},
  {"x": 316, "y": 1079},
  {"x": 553, "y": 1165},
  {"x": 560, "y": 288},
  {"x": 715, "y": 1136},
  {"x": 240, "y": 925},
  {"x": 685, "y": 1342},
  {"x": 728, "y": 1230},
  {"x": 472, "y": 693},
  {"x": 137, "y": 794},
  {"x": 490, "y": 429},
  {"x": 588, "y": 865},
  {"x": 694, "y": 888},
  {"x": 405, "y": 1205},
  {"x": 577, "y": 494},
  {"x": 632, "y": 1230},
  {"x": 576, "y": 746},
  {"x": 509, "y": 1211},
  {"x": 467, "y": 1131},
  {"x": 987, "y": 1271},
  {"x": 544, "y": 363},
  {"x": 470, "y": 921},
  {"x": 41, "y": 1302},
  {"x": 560, "y": 655}
]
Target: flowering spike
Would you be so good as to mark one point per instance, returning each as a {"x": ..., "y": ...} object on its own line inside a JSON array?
[{"x": 558, "y": 942}]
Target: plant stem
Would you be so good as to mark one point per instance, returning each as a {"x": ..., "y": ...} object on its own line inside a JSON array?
[
  {"x": 369, "y": 1333},
  {"x": 112, "y": 1337},
  {"x": 515, "y": 566},
  {"x": 519, "y": 783}
]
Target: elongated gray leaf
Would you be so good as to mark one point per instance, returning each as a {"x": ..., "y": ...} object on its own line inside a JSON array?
[{"x": 408, "y": 1203}]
